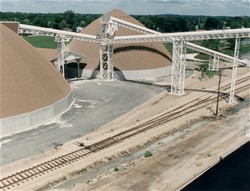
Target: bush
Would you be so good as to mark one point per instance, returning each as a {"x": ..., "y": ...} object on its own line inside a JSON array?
[
  {"x": 148, "y": 154},
  {"x": 116, "y": 169}
]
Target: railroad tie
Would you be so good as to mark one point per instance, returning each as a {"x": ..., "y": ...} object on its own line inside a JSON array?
[
  {"x": 10, "y": 181},
  {"x": 22, "y": 175},
  {"x": 2, "y": 184},
  {"x": 48, "y": 166},
  {"x": 26, "y": 173}
]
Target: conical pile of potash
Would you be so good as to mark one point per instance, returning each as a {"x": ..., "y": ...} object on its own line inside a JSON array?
[
  {"x": 31, "y": 90},
  {"x": 132, "y": 61}
]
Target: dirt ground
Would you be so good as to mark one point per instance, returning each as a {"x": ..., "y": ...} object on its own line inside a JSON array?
[
  {"x": 172, "y": 165},
  {"x": 176, "y": 164}
]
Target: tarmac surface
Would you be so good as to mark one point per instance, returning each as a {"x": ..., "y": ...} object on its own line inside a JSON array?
[{"x": 96, "y": 103}]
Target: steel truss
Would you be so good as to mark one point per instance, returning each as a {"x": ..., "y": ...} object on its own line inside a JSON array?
[
  {"x": 144, "y": 30},
  {"x": 178, "y": 68},
  {"x": 213, "y": 53},
  {"x": 214, "y": 63},
  {"x": 179, "y": 40},
  {"x": 234, "y": 73},
  {"x": 186, "y": 36},
  {"x": 61, "y": 47},
  {"x": 106, "y": 33},
  {"x": 28, "y": 29},
  {"x": 178, "y": 62}
]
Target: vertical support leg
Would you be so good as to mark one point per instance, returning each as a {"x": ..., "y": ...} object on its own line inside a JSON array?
[
  {"x": 61, "y": 57},
  {"x": 104, "y": 59},
  {"x": 214, "y": 63},
  {"x": 210, "y": 64},
  {"x": 61, "y": 48},
  {"x": 101, "y": 62},
  {"x": 234, "y": 73},
  {"x": 178, "y": 68},
  {"x": 106, "y": 50},
  {"x": 217, "y": 64},
  {"x": 110, "y": 62},
  {"x": 78, "y": 60},
  {"x": 77, "y": 69}
]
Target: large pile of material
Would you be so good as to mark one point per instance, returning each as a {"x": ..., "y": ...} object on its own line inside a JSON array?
[
  {"x": 138, "y": 60},
  {"x": 32, "y": 91}
]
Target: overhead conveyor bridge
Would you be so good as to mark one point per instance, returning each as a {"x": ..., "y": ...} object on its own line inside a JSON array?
[
  {"x": 183, "y": 36},
  {"x": 144, "y": 30},
  {"x": 180, "y": 42},
  {"x": 28, "y": 29},
  {"x": 214, "y": 53}
]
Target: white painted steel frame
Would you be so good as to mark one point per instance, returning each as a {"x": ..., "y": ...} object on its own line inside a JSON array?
[
  {"x": 106, "y": 49},
  {"x": 106, "y": 43},
  {"x": 190, "y": 45},
  {"x": 214, "y": 63},
  {"x": 28, "y": 29},
  {"x": 178, "y": 68},
  {"x": 187, "y": 36},
  {"x": 61, "y": 47},
  {"x": 234, "y": 72},
  {"x": 214, "y": 53},
  {"x": 178, "y": 59}
]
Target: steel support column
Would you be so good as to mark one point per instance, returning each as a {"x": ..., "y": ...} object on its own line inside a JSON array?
[
  {"x": 234, "y": 72},
  {"x": 106, "y": 62},
  {"x": 214, "y": 63},
  {"x": 61, "y": 48},
  {"x": 178, "y": 67},
  {"x": 106, "y": 49}
]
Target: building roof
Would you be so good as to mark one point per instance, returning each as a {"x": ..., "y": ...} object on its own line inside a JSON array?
[
  {"x": 28, "y": 82},
  {"x": 127, "y": 57}
]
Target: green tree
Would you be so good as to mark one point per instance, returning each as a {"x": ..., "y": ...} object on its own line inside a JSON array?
[
  {"x": 63, "y": 24},
  {"x": 211, "y": 44},
  {"x": 26, "y": 22},
  {"x": 211, "y": 23},
  {"x": 69, "y": 17},
  {"x": 82, "y": 24}
]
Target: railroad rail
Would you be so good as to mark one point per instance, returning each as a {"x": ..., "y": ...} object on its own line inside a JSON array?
[{"x": 66, "y": 159}]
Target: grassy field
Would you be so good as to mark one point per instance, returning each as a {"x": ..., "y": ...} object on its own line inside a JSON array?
[{"x": 41, "y": 41}]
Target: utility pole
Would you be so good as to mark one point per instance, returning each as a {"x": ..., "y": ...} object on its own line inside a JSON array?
[{"x": 218, "y": 95}]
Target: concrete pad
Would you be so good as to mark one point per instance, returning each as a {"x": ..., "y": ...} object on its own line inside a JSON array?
[{"x": 96, "y": 104}]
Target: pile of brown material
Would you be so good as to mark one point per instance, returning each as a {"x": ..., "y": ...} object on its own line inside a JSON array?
[
  {"x": 127, "y": 57},
  {"x": 28, "y": 81}
]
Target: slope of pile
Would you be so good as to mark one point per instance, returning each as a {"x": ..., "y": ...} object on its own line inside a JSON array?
[{"x": 28, "y": 81}]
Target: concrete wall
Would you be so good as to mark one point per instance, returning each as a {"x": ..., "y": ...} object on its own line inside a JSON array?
[
  {"x": 247, "y": 131},
  {"x": 27, "y": 121},
  {"x": 131, "y": 74}
]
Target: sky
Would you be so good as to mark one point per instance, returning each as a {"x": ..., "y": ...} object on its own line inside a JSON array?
[{"x": 134, "y": 7}]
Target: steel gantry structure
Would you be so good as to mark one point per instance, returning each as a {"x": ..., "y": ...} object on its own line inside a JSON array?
[
  {"x": 107, "y": 39},
  {"x": 106, "y": 33},
  {"x": 180, "y": 44}
]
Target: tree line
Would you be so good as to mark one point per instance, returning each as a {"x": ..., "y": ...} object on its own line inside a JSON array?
[{"x": 162, "y": 23}]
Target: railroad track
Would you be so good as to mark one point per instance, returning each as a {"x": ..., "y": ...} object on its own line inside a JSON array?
[{"x": 18, "y": 178}]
